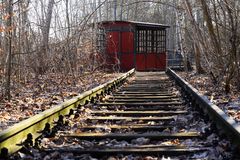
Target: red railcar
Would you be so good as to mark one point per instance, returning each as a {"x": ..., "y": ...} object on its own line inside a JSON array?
[{"x": 130, "y": 44}]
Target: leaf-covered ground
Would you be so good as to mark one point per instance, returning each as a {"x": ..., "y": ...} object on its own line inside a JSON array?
[
  {"x": 40, "y": 94},
  {"x": 229, "y": 103}
]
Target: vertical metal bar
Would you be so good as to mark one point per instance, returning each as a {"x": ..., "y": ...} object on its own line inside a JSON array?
[
  {"x": 146, "y": 34},
  {"x": 162, "y": 41},
  {"x": 165, "y": 49},
  {"x": 120, "y": 47},
  {"x": 136, "y": 44},
  {"x": 152, "y": 41},
  {"x": 146, "y": 48},
  {"x": 157, "y": 41},
  {"x": 165, "y": 39}
]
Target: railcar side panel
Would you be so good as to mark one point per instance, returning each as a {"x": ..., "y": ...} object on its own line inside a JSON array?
[
  {"x": 127, "y": 50},
  {"x": 140, "y": 62},
  {"x": 112, "y": 48}
]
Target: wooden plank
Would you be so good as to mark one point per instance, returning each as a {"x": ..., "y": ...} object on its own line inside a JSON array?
[
  {"x": 114, "y": 118},
  {"x": 141, "y": 81},
  {"x": 143, "y": 97},
  {"x": 141, "y": 104},
  {"x": 121, "y": 93},
  {"x": 146, "y": 108},
  {"x": 171, "y": 151},
  {"x": 158, "y": 146},
  {"x": 144, "y": 87},
  {"x": 143, "y": 90},
  {"x": 148, "y": 85},
  {"x": 139, "y": 113},
  {"x": 144, "y": 82},
  {"x": 138, "y": 127},
  {"x": 141, "y": 100},
  {"x": 152, "y": 85},
  {"x": 130, "y": 136}
]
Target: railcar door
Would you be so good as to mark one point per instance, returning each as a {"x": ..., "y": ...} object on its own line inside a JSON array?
[
  {"x": 120, "y": 47},
  {"x": 150, "y": 49},
  {"x": 112, "y": 49},
  {"x": 127, "y": 50},
  {"x": 140, "y": 55}
]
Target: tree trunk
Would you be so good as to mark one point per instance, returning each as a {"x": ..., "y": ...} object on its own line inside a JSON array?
[
  {"x": 180, "y": 39},
  {"x": 115, "y": 10},
  {"x": 107, "y": 10},
  {"x": 136, "y": 12},
  {"x": 198, "y": 59},
  {"x": 47, "y": 24},
  {"x": 100, "y": 11},
  {"x": 121, "y": 11},
  {"x": 42, "y": 68},
  {"x": 128, "y": 10},
  {"x": 9, "y": 49},
  {"x": 68, "y": 48},
  {"x": 213, "y": 37}
]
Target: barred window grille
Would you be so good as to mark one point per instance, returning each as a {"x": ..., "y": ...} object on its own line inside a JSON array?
[
  {"x": 101, "y": 40},
  {"x": 151, "y": 41}
]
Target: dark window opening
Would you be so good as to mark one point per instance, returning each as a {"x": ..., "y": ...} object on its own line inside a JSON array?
[
  {"x": 101, "y": 40},
  {"x": 151, "y": 41}
]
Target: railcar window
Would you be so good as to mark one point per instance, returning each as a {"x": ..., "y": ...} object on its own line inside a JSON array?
[
  {"x": 142, "y": 40},
  {"x": 151, "y": 41},
  {"x": 101, "y": 40}
]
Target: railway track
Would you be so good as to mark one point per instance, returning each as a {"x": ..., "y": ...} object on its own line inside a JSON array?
[{"x": 148, "y": 117}]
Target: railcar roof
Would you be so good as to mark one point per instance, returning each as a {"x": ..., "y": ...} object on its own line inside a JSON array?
[{"x": 140, "y": 24}]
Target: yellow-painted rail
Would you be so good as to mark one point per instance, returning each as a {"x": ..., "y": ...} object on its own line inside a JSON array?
[{"x": 12, "y": 138}]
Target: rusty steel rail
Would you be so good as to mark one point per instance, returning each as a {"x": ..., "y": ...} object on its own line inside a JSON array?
[
  {"x": 30, "y": 129},
  {"x": 223, "y": 122}
]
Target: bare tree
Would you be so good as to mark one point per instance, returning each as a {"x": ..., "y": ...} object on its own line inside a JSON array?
[
  {"x": 9, "y": 48},
  {"x": 43, "y": 52},
  {"x": 196, "y": 43}
]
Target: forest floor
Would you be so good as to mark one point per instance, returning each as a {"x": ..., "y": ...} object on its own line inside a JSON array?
[
  {"x": 229, "y": 103},
  {"x": 35, "y": 96}
]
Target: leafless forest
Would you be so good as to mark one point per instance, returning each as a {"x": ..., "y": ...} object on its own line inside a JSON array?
[{"x": 58, "y": 37}]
